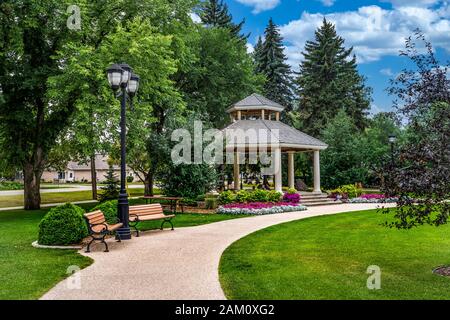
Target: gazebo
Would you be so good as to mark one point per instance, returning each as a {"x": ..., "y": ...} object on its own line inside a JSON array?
[{"x": 259, "y": 113}]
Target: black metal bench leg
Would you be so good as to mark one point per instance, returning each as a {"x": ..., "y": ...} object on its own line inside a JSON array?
[
  {"x": 166, "y": 220},
  {"x": 118, "y": 237},
  {"x": 106, "y": 245},
  {"x": 134, "y": 226},
  {"x": 88, "y": 249}
]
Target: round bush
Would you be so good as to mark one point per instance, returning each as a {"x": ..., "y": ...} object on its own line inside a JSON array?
[
  {"x": 62, "y": 225},
  {"x": 259, "y": 195},
  {"x": 109, "y": 209},
  {"x": 227, "y": 197},
  {"x": 274, "y": 196},
  {"x": 242, "y": 196}
]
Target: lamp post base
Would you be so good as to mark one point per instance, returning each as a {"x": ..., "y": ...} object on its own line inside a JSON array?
[
  {"x": 123, "y": 213},
  {"x": 124, "y": 233}
]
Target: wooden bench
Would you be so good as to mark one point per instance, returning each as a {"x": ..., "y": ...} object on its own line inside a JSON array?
[
  {"x": 99, "y": 228},
  {"x": 148, "y": 212}
]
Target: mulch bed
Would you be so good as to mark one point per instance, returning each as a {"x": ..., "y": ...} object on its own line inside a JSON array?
[
  {"x": 189, "y": 209},
  {"x": 442, "y": 271}
]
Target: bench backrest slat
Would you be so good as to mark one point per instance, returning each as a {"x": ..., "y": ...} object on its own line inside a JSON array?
[
  {"x": 146, "y": 209},
  {"x": 95, "y": 217}
]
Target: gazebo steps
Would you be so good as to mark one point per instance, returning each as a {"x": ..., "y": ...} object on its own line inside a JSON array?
[
  {"x": 316, "y": 199},
  {"x": 320, "y": 203}
]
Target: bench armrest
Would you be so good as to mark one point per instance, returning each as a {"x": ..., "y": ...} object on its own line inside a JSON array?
[
  {"x": 99, "y": 224},
  {"x": 133, "y": 215}
]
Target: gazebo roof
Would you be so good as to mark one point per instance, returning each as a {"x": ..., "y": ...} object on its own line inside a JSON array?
[
  {"x": 286, "y": 136},
  {"x": 256, "y": 102}
]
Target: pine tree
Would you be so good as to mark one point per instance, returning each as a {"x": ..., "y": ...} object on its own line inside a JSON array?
[
  {"x": 329, "y": 82},
  {"x": 111, "y": 188},
  {"x": 215, "y": 14},
  {"x": 257, "y": 53},
  {"x": 270, "y": 61}
]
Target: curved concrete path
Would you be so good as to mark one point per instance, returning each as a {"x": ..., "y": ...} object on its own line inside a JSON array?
[{"x": 181, "y": 264}]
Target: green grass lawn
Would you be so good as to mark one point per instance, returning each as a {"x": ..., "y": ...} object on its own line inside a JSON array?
[
  {"x": 27, "y": 272},
  {"x": 59, "y": 197},
  {"x": 327, "y": 258}
]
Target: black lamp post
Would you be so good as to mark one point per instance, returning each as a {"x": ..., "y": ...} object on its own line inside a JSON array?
[
  {"x": 121, "y": 76},
  {"x": 392, "y": 140}
]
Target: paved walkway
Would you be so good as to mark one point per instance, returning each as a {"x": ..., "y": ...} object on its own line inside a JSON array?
[
  {"x": 63, "y": 188},
  {"x": 181, "y": 264}
]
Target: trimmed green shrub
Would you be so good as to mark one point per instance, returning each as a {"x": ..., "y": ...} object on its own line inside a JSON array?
[
  {"x": 274, "y": 196},
  {"x": 291, "y": 191},
  {"x": 227, "y": 197},
  {"x": 211, "y": 203},
  {"x": 130, "y": 179},
  {"x": 242, "y": 196},
  {"x": 109, "y": 209},
  {"x": 348, "y": 191},
  {"x": 259, "y": 195},
  {"x": 63, "y": 225}
]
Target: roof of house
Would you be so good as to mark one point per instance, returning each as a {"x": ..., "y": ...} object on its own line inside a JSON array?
[
  {"x": 283, "y": 134},
  {"x": 256, "y": 101},
  {"x": 101, "y": 163}
]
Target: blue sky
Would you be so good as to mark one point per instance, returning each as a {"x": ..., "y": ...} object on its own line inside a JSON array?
[{"x": 376, "y": 30}]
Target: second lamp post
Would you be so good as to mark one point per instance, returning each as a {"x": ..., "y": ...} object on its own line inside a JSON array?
[{"x": 120, "y": 76}]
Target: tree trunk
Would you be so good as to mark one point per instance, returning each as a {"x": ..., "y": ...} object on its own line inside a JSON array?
[
  {"x": 93, "y": 177},
  {"x": 148, "y": 184},
  {"x": 32, "y": 183}
]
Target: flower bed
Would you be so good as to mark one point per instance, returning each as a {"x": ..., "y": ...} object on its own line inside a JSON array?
[
  {"x": 259, "y": 208},
  {"x": 373, "y": 198}
]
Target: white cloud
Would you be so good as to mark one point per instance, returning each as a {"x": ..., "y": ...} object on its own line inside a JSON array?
[
  {"x": 327, "y": 3},
  {"x": 260, "y": 5},
  {"x": 250, "y": 48},
  {"x": 387, "y": 72},
  {"x": 374, "y": 109},
  {"x": 372, "y": 31},
  {"x": 195, "y": 17}
]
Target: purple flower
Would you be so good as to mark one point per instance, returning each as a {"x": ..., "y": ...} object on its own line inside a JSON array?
[
  {"x": 372, "y": 196},
  {"x": 291, "y": 197},
  {"x": 257, "y": 205}
]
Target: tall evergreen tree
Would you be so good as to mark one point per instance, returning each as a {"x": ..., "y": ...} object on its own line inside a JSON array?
[
  {"x": 271, "y": 62},
  {"x": 215, "y": 13},
  {"x": 329, "y": 82},
  {"x": 257, "y": 54},
  {"x": 111, "y": 189}
]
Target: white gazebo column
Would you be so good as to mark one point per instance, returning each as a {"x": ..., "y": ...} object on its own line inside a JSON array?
[
  {"x": 277, "y": 159},
  {"x": 291, "y": 169},
  {"x": 316, "y": 172},
  {"x": 236, "y": 171}
]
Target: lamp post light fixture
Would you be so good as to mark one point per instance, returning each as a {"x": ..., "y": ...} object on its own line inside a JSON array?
[
  {"x": 392, "y": 139},
  {"x": 120, "y": 76}
]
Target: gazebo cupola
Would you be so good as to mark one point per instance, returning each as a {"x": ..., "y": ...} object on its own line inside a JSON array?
[
  {"x": 259, "y": 113},
  {"x": 255, "y": 107}
]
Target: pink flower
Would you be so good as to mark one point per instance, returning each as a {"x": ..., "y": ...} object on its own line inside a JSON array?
[
  {"x": 372, "y": 196},
  {"x": 258, "y": 205},
  {"x": 291, "y": 197}
]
